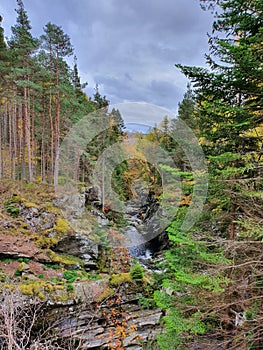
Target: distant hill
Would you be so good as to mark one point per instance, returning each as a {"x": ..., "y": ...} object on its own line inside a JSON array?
[{"x": 134, "y": 127}]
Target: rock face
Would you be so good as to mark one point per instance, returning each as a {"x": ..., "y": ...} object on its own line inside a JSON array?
[
  {"x": 19, "y": 246},
  {"x": 94, "y": 333},
  {"x": 92, "y": 196},
  {"x": 81, "y": 246},
  {"x": 102, "y": 324},
  {"x": 37, "y": 219}
]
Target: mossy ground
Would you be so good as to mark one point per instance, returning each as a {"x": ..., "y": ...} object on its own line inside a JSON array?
[
  {"x": 33, "y": 276},
  {"x": 39, "y": 271}
]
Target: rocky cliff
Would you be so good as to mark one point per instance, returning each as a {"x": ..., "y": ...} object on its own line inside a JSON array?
[{"x": 86, "y": 291}]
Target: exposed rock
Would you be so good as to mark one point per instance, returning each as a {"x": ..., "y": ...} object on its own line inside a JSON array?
[
  {"x": 38, "y": 220},
  {"x": 90, "y": 326},
  {"x": 21, "y": 247},
  {"x": 92, "y": 195},
  {"x": 88, "y": 292},
  {"x": 81, "y": 246},
  {"x": 72, "y": 204}
]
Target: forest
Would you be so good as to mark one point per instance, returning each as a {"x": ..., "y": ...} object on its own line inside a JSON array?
[{"x": 207, "y": 281}]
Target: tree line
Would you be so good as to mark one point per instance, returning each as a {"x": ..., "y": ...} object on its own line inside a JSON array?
[
  {"x": 212, "y": 288},
  {"x": 41, "y": 97}
]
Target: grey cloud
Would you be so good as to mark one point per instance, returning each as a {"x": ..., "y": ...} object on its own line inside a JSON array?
[{"x": 128, "y": 47}]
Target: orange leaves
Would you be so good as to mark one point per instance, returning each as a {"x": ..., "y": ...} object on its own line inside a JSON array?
[
  {"x": 118, "y": 322},
  {"x": 185, "y": 201}
]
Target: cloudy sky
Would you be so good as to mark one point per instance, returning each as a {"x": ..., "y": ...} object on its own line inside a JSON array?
[{"x": 128, "y": 47}]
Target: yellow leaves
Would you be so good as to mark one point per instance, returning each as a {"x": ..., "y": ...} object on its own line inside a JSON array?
[
  {"x": 256, "y": 132},
  {"x": 214, "y": 128},
  {"x": 204, "y": 103},
  {"x": 202, "y": 141}
]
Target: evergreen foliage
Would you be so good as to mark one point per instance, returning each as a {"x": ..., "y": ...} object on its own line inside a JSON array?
[
  {"x": 213, "y": 272},
  {"x": 41, "y": 98}
]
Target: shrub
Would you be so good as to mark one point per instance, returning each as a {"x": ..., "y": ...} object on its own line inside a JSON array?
[
  {"x": 70, "y": 276},
  {"x": 70, "y": 287},
  {"x": 137, "y": 272},
  {"x": 12, "y": 208}
]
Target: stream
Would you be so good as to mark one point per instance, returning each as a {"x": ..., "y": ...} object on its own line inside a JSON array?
[{"x": 142, "y": 241}]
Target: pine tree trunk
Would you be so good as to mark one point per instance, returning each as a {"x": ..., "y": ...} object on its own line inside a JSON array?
[
  {"x": 57, "y": 126},
  {"x": 57, "y": 135},
  {"x": 27, "y": 134},
  {"x": 229, "y": 273},
  {"x": 14, "y": 137},
  {"x": 51, "y": 163},
  {"x": 23, "y": 142},
  {"x": 232, "y": 222},
  {"x": 11, "y": 152},
  {"x": 42, "y": 161},
  {"x": 1, "y": 149},
  {"x": 34, "y": 142}
]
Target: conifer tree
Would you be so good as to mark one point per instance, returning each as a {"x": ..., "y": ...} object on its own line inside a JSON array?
[
  {"x": 57, "y": 44},
  {"x": 186, "y": 107},
  {"x": 228, "y": 119},
  {"x": 22, "y": 46}
]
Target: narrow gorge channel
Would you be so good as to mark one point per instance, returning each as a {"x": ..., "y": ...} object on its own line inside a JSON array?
[{"x": 88, "y": 318}]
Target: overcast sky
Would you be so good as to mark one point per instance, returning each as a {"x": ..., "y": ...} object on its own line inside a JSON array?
[{"x": 128, "y": 47}]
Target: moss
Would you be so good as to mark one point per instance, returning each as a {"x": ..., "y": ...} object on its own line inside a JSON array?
[
  {"x": 62, "y": 226},
  {"x": 24, "y": 231},
  {"x": 70, "y": 287},
  {"x": 18, "y": 199},
  {"x": 3, "y": 277},
  {"x": 30, "y": 205},
  {"x": 39, "y": 289},
  {"x": 123, "y": 277},
  {"x": 9, "y": 286},
  {"x": 12, "y": 208},
  {"x": 22, "y": 266},
  {"x": 64, "y": 259},
  {"x": 64, "y": 296},
  {"x": 108, "y": 292},
  {"x": 27, "y": 289},
  {"x": 46, "y": 242},
  {"x": 70, "y": 276},
  {"x": 48, "y": 288},
  {"x": 50, "y": 208},
  {"x": 41, "y": 296},
  {"x": 17, "y": 273},
  {"x": 59, "y": 287}
]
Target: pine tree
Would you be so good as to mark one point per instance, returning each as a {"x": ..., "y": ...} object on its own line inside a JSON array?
[
  {"x": 228, "y": 119},
  {"x": 101, "y": 102},
  {"x": 58, "y": 46},
  {"x": 22, "y": 46},
  {"x": 186, "y": 107},
  {"x": 2, "y": 37}
]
